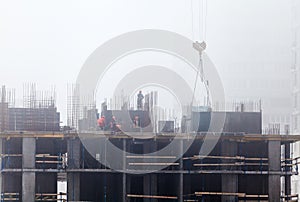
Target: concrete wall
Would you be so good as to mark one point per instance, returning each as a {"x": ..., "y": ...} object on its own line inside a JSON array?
[{"x": 249, "y": 122}]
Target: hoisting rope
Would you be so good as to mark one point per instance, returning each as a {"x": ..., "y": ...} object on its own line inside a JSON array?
[{"x": 200, "y": 47}]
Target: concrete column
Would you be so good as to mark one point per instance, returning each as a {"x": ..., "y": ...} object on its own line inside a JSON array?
[
  {"x": 73, "y": 178},
  {"x": 74, "y": 151},
  {"x": 274, "y": 165},
  {"x": 28, "y": 186},
  {"x": 28, "y": 163},
  {"x": 229, "y": 181},
  {"x": 73, "y": 186}
]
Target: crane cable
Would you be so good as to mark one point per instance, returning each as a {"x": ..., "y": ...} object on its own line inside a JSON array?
[
  {"x": 204, "y": 18},
  {"x": 200, "y": 71},
  {"x": 202, "y": 9},
  {"x": 201, "y": 66},
  {"x": 192, "y": 13}
]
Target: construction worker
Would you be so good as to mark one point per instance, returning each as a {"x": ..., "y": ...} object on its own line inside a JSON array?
[
  {"x": 136, "y": 122},
  {"x": 113, "y": 125},
  {"x": 183, "y": 124},
  {"x": 101, "y": 123},
  {"x": 140, "y": 100}
]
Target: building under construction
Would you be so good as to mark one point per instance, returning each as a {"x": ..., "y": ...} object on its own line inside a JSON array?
[{"x": 243, "y": 165}]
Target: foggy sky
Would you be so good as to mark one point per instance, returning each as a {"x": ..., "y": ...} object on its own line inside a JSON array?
[{"x": 47, "y": 42}]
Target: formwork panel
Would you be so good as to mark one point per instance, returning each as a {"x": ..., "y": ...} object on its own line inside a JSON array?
[
  {"x": 12, "y": 149},
  {"x": 52, "y": 149},
  {"x": 12, "y": 183},
  {"x": 101, "y": 187},
  {"x": 46, "y": 183},
  {"x": 194, "y": 149},
  {"x": 167, "y": 184},
  {"x": 201, "y": 183},
  {"x": 249, "y": 122},
  {"x": 253, "y": 184},
  {"x": 136, "y": 184}
]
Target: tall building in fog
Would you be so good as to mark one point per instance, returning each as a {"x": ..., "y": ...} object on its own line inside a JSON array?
[
  {"x": 296, "y": 67},
  {"x": 257, "y": 65},
  {"x": 266, "y": 81},
  {"x": 296, "y": 85}
]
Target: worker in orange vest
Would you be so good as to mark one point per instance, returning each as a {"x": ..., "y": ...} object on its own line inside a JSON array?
[{"x": 101, "y": 122}]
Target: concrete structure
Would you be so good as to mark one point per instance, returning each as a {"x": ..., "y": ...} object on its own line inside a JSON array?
[
  {"x": 34, "y": 119},
  {"x": 38, "y": 113},
  {"x": 30, "y": 166},
  {"x": 241, "y": 166},
  {"x": 263, "y": 74}
]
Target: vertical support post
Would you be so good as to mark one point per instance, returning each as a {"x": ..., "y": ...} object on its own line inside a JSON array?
[
  {"x": 1, "y": 152},
  {"x": 153, "y": 176},
  {"x": 73, "y": 178},
  {"x": 124, "y": 171},
  {"x": 180, "y": 191},
  {"x": 153, "y": 184},
  {"x": 150, "y": 186},
  {"x": 147, "y": 186},
  {"x": 28, "y": 164},
  {"x": 128, "y": 183},
  {"x": 287, "y": 180},
  {"x": 128, "y": 176},
  {"x": 150, "y": 180},
  {"x": 229, "y": 181},
  {"x": 274, "y": 166},
  {"x": 146, "y": 178}
]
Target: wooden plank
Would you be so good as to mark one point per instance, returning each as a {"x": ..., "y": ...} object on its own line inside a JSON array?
[
  {"x": 54, "y": 162},
  {"x": 218, "y": 164},
  {"x": 150, "y": 157},
  {"x": 230, "y": 164},
  {"x": 289, "y": 196},
  {"x": 151, "y": 196},
  {"x": 256, "y": 196},
  {"x": 196, "y": 157},
  {"x": 256, "y": 164},
  {"x": 49, "y": 194},
  {"x": 39, "y": 156},
  {"x": 153, "y": 164},
  {"x": 219, "y": 193},
  {"x": 230, "y": 157},
  {"x": 10, "y": 194},
  {"x": 240, "y": 195}
]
